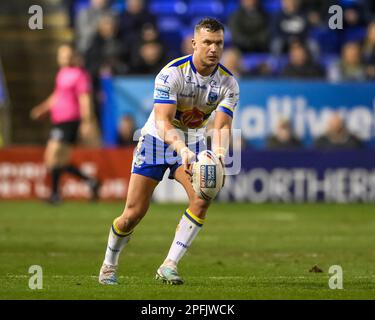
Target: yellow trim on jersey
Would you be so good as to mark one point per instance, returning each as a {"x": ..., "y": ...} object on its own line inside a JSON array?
[
  {"x": 194, "y": 217},
  {"x": 184, "y": 65},
  {"x": 226, "y": 107},
  {"x": 175, "y": 60},
  {"x": 223, "y": 72}
]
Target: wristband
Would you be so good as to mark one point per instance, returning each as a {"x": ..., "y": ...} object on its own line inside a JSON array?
[
  {"x": 220, "y": 152},
  {"x": 183, "y": 150}
]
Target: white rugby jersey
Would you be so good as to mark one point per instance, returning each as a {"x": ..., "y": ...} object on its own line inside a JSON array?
[{"x": 196, "y": 96}]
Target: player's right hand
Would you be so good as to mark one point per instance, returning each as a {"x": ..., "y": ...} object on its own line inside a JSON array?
[{"x": 188, "y": 157}]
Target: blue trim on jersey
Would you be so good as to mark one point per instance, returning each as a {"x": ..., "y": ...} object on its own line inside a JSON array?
[
  {"x": 192, "y": 64},
  {"x": 180, "y": 62},
  {"x": 195, "y": 69},
  {"x": 165, "y": 101},
  {"x": 213, "y": 72},
  {"x": 225, "y": 69},
  {"x": 225, "y": 110}
]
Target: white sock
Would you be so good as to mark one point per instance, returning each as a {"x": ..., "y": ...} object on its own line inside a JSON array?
[
  {"x": 186, "y": 232},
  {"x": 116, "y": 242}
]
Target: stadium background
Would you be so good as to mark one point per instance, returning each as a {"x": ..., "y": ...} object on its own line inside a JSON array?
[{"x": 272, "y": 90}]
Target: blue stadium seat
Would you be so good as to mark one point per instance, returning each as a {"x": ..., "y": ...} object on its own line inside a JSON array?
[
  {"x": 80, "y": 4},
  {"x": 170, "y": 31},
  {"x": 201, "y": 8},
  {"x": 328, "y": 40},
  {"x": 252, "y": 60},
  {"x": 161, "y": 7},
  {"x": 169, "y": 24},
  {"x": 230, "y": 7},
  {"x": 326, "y": 60},
  {"x": 118, "y": 6},
  {"x": 354, "y": 34},
  {"x": 271, "y": 6}
]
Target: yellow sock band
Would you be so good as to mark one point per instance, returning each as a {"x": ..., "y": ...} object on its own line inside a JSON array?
[
  {"x": 118, "y": 232},
  {"x": 193, "y": 218}
]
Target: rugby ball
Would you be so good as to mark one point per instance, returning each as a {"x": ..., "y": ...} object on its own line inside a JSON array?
[{"x": 208, "y": 175}]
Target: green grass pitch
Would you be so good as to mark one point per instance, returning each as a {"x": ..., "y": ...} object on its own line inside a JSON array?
[{"x": 244, "y": 251}]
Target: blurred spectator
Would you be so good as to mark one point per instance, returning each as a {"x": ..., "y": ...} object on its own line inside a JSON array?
[
  {"x": 249, "y": 28},
  {"x": 70, "y": 12},
  {"x": 133, "y": 20},
  {"x": 354, "y": 15},
  {"x": 337, "y": 136},
  {"x": 263, "y": 69},
  {"x": 126, "y": 131},
  {"x": 150, "y": 59},
  {"x": 316, "y": 11},
  {"x": 350, "y": 66},
  {"x": 87, "y": 23},
  {"x": 186, "y": 45},
  {"x": 301, "y": 64},
  {"x": 232, "y": 59},
  {"x": 107, "y": 54},
  {"x": 369, "y": 51},
  {"x": 283, "y": 137},
  {"x": 290, "y": 25},
  {"x": 149, "y": 34}
]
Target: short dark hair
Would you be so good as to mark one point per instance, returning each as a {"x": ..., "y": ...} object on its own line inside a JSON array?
[{"x": 211, "y": 24}]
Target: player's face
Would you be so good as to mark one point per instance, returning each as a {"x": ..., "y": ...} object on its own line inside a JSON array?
[
  {"x": 208, "y": 46},
  {"x": 65, "y": 56}
]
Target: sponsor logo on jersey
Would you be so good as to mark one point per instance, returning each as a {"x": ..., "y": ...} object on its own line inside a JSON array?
[
  {"x": 188, "y": 80},
  {"x": 192, "y": 118},
  {"x": 162, "y": 92},
  {"x": 203, "y": 87},
  {"x": 163, "y": 77},
  {"x": 213, "y": 84},
  {"x": 212, "y": 97}
]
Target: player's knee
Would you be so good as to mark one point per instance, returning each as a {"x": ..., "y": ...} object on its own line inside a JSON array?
[{"x": 132, "y": 214}]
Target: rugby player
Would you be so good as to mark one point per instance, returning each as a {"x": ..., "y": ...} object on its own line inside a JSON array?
[
  {"x": 186, "y": 92},
  {"x": 69, "y": 107}
]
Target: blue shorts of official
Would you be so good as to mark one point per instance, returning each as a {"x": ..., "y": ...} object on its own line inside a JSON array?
[{"x": 152, "y": 157}]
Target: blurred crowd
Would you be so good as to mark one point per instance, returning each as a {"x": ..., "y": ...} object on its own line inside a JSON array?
[
  {"x": 336, "y": 136},
  {"x": 268, "y": 38},
  {"x": 278, "y": 38}
]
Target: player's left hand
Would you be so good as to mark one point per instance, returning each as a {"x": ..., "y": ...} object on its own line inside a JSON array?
[{"x": 188, "y": 157}]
